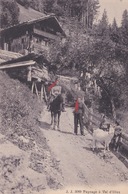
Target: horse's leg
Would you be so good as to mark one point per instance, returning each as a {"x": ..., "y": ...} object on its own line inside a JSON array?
[
  {"x": 55, "y": 120},
  {"x": 59, "y": 113},
  {"x": 75, "y": 123},
  {"x": 52, "y": 120},
  {"x": 106, "y": 147},
  {"x": 93, "y": 144},
  {"x": 52, "y": 114}
]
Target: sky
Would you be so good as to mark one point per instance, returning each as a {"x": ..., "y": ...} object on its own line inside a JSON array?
[{"x": 114, "y": 8}]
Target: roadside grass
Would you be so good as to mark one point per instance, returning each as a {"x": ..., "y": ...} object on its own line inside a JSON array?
[
  {"x": 24, "y": 145},
  {"x": 19, "y": 108}
]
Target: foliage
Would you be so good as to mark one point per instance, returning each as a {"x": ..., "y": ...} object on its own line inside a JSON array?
[
  {"x": 100, "y": 49},
  {"x": 103, "y": 25},
  {"x": 114, "y": 32},
  {"x": 9, "y": 13},
  {"x": 23, "y": 3},
  {"x": 124, "y": 28},
  {"x": 82, "y": 10},
  {"x": 102, "y": 55},
  {"x": 37, "y": 5}
]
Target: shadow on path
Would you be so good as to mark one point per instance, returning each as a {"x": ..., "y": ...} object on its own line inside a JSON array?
[
  {"x": 121, "y": 157},
  {"x": 97, "y": 150},
  {"x": 44, "y": 125},
  {"x": 66, "y": 132}
]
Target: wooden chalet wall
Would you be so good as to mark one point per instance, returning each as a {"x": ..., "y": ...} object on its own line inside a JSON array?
[
  {"x": 34, "y": 36},
  {"x": 16, "y": 39}
]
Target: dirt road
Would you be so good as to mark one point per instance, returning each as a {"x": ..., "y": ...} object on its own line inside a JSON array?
[{"x": 80, "y": 166}]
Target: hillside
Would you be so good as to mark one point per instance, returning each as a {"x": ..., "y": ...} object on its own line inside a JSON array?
[
  {"x": 27, "y": 164},
  {"x": 38, "y": 160}
]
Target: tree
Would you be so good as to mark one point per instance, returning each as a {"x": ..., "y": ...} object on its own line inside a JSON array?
[
  {"x": 25, "y": 3},
  {"x": 124, "y": 28},
  {"x": 103, "y": 26},
  {"x": 9, "y": 13},
  {"x": 124, "y": 22},
  {"x": 114, "y": 32},
  {"x": 82, "y": 10},
  {"x": 92, "y": 12},
  {"x": 48, "y": 6},
  {"x": 37, "y": 5}
]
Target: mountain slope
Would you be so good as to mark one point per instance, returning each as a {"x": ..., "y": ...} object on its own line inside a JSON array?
[{"x": 27, "y": 164}]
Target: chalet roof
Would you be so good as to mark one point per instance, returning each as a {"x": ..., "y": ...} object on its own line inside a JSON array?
[
  {"x": 10, "y": 60},
  {"x": 13, "y": 57},
  {"x": 27, "y": 14},
  {"x": 18, "y": 64},
  {"x": 30, "y": 16},
  {"x": 7, "y": 56}
]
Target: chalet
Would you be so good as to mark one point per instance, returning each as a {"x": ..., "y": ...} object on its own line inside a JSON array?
[
  {"x": 32, "y": 34},
  {"x": 22, "y": 47}
]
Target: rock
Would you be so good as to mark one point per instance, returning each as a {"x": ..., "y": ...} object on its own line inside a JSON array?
[{"x": 38, "y": 181}]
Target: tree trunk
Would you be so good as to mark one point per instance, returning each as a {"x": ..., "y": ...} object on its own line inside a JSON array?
[{"x": 113, "y": 109}]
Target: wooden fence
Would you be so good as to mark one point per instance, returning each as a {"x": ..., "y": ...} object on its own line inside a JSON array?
[
  {"x": 93, "y": 120},
  {"x": 124, "y": 144}
]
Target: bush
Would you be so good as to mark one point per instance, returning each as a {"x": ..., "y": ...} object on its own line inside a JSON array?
[
  {"x": 19, "y": 108},
  {"x": 71, "y": 93}
]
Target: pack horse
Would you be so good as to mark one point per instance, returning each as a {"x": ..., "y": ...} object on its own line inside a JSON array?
[{"x": 56, "y": 105}]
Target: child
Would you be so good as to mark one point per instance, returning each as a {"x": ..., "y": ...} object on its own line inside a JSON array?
[{"x": 117, "y": 136}]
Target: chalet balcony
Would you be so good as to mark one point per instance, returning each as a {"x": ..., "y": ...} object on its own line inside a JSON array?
[{"x": 46, "y": 34}]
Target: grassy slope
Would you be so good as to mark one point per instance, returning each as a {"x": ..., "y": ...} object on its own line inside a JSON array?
[{"x": 27, "y": 164}]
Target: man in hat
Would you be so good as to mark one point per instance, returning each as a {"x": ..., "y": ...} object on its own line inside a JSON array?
[
  {"x": 117, "y": 136},
  {"x": 79, "y": 112}
]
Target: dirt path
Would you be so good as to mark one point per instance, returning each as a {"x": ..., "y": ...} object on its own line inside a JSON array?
[{"x": 80, "y": 167}]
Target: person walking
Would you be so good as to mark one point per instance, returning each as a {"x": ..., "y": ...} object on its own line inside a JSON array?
[
  {"x": 56, "y": 108},
  {"x": 79, "y": 112},
  {"x": 56, "y": 103},
  {"x": 51, "y": 96}
]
